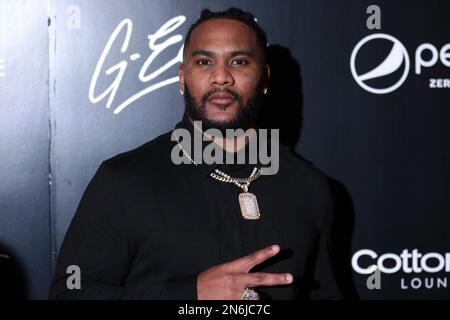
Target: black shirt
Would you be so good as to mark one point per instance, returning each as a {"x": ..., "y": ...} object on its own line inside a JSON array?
[{"x": 145, "y": 227}]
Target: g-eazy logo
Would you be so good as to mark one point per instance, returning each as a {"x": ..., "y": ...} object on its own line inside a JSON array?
[
  {"x": 144, "y": 76},
  {"x": 396, "y": 59}
]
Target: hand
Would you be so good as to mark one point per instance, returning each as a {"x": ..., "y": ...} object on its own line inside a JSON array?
[{"x": 229, "y": 280}]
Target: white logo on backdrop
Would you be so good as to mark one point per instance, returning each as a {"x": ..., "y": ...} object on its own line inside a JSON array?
[
  {"x": 389, "y": 65},
  {"x": 398, "y": 57},
  {"x": 2, "y": 67},
  {"x": 411, "y": 264},
  {"x": 119, "y": 69}
]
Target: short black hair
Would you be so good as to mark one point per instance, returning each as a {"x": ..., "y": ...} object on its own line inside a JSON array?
[{"x": 233, "y": 14}]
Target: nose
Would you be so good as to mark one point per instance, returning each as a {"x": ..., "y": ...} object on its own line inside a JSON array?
[{"x": 221, "y": 76}]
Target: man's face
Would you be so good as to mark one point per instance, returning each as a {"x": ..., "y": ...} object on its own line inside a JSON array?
[{"x": 222, "y": 74}]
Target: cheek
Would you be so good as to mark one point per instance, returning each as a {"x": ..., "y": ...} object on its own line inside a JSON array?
[
  {"x": 197, "y": 83},
  {"x": 246, "y": 85}
]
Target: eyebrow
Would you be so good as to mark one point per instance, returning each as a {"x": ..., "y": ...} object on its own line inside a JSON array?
[{"x": 232, "y": 54}]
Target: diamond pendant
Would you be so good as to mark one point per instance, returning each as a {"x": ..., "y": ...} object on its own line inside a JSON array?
[{"x": 249, "y": 206}]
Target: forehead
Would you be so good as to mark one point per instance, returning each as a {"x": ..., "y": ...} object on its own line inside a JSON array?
[{"x": 223, "y": 34}]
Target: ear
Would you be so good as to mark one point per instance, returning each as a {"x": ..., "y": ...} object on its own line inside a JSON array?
[
  {"x": 266, "y": 76},
  {"x": 181, "y": 75}
]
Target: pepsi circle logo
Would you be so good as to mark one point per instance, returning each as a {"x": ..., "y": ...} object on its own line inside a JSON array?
[{"x": 392, "y": 63}]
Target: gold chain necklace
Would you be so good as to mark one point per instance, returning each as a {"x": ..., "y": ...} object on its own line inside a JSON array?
[{"x": 247, "y": 200}]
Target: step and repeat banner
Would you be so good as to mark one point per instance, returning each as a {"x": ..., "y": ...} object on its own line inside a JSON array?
[{"x": 359, "y": 88}]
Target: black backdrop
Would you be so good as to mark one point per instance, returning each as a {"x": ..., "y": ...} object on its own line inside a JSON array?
[{"x": 376, "y": 124}]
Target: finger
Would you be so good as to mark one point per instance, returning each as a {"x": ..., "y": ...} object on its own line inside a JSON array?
[
  {"x": 246, "y": 263},
  {"x": 262, "y": 279}
]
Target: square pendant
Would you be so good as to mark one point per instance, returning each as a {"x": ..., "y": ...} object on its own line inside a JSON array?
[{"x": 249, "y": 206}]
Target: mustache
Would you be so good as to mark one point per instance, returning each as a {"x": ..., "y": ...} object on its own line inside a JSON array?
[{"x": 206, "y": 96}]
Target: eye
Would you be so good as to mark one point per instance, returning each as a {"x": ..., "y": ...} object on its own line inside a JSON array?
[
  {"x": 203, "y": 62},
  {"x": 239, "y": 62}
]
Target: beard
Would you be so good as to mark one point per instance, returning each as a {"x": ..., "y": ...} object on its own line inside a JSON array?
[{"x": 247, "y": 115}]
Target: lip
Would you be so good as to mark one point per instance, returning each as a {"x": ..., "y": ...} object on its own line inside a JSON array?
[{"x": 221, "y": 98}]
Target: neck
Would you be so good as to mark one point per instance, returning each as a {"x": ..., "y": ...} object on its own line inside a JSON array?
[{"x": 233, "y": 144}]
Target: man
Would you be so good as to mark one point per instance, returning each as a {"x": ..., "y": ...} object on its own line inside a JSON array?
[{"x": 147, "y": 228}]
